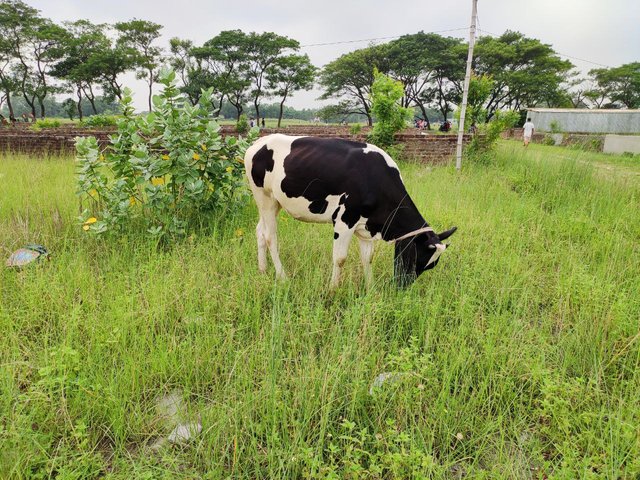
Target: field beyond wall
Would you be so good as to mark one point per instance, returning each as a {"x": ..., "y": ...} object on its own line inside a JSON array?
[{"x": 517, "y": 357}]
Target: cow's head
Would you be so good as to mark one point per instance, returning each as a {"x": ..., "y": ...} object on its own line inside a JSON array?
[{"x": 415, "y": 255}]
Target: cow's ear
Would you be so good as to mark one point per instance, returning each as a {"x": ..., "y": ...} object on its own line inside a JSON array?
[
  {"x": 404, "y": 266},
  {"x": 447, "y": 233}
]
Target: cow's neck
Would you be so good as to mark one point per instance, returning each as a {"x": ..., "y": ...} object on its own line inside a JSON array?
[{"x": 403, "y": 220}]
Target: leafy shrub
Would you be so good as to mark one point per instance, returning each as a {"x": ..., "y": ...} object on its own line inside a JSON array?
[
  {"x": 355, "y": 129},
  {"x": 46, "y": 123},
  {"x": 101, "y": 121},
  {"x": 548, "y": 140},
  {"x": 161, "y": 172},
  {"x": 555, "y": 127},
  {"x": 242, "y": 125},
  {"x": 501, "y": 121},
  {"x": 390, "y": 116}
]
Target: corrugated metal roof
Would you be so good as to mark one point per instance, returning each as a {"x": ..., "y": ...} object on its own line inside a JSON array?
[{"x": 583, "y": 110}]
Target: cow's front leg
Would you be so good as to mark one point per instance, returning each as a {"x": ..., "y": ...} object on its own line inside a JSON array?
[
  {"x": 366, "y": 254},
  {"x": 341, "y": 238}
]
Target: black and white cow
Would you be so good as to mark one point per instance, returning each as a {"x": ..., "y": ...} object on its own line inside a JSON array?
[{"x": 356, "y": 186}]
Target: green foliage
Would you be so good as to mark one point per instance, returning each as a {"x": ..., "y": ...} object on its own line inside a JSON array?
[
  {"x": 355, "y": 129},
  {"x": 555, "y": 126},
  {"x": 163, "y": 172},
  {"x": 242, "y": 125},
  {"x": 490, "y": 132},
  {"x": 618, "y": 84},
  {"x": 45, "y": 123},
  {"x": 390, "y": 116},
  {"x": 101, "y": 121}
]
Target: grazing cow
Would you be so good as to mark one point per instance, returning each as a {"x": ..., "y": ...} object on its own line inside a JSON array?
[{"x": 356, "y": 186}]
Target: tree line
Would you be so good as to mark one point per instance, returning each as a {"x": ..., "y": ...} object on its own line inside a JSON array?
[{"x": 40, "y": 59}]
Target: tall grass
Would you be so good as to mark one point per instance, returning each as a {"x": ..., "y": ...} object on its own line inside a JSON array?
[{"x": 517, "y": 357}]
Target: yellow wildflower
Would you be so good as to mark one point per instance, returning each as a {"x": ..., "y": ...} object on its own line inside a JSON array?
[
  {"x": 157, "y": 181},
  {"x": 101, "y": 157},
  {"x": 93, "y": 193},
  {"x": 196, "y": 156},
  {"x": 132, "y": 201},
  {"x": 239, "y": 232},
  {"x": 165, "y": 157},
  {"x": 204, "y": 147},
  {"x": 91, "y": 220},
  {"x": 85, "y": 227}
]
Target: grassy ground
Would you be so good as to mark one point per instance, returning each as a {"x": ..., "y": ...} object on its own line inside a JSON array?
[{"x": 517, "y": 357}]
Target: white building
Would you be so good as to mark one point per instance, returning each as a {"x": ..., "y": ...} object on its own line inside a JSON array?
[{"x": 579, "y": 120}]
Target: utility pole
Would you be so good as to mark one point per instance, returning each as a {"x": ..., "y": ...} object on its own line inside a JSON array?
[{"x": 467, "y": 79}]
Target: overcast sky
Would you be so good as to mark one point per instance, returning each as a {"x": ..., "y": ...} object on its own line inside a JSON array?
[{"x": 604, "y": 32}]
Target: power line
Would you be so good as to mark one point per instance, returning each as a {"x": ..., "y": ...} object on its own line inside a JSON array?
[
  {"x": 561, "y": 54},
  {"x": 374, "y": 39}
]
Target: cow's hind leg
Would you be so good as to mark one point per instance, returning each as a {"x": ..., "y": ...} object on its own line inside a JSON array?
[{"x": 267, "y": 232}]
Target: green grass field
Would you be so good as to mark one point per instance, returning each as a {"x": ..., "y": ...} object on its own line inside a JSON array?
[{"x": 517, "y": 357}]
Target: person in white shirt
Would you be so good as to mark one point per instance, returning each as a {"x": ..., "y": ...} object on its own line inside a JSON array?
[{"x": 527, "y": 132}]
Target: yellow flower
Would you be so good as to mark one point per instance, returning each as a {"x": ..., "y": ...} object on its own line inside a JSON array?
[
  {"x": 93, "y": 193},
  {"x": 91, "y": 220},
  {"x": 101, "y": 157},
  {"x": 132, "y": 201},
  {"x": 165, "y": 157},
  {"x": 85, "y": 227},
  {"x": 204, "y": 147},
  {"x": 157, "y": 181},
  {"x": 196, "y": 156},
  {"x": 229, "y": 169},
  {"x": 239, "y": 232}
]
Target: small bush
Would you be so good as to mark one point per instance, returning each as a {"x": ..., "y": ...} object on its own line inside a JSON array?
[
  {"x": 548, "y": 140},
  {"x": 101, "y": 121},
  {"x": 355, "y": 129},
  {"x": 390, "y": 116},
  {"x": 163, "y": 172},
  {"x": 555, "y": 127},
  {"x": 490, "y": 132},
  {"x": 46, "y": 123},
  {"x": 242, "y": 125}
]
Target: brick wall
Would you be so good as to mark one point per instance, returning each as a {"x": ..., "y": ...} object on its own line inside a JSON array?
[{"x": 426, "y": 148}]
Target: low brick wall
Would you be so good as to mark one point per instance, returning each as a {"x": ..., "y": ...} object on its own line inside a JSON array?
[{"x": 417, "y": 146}]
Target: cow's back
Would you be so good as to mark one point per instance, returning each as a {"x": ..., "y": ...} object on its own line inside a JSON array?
[{"x": 311, "y": 178}]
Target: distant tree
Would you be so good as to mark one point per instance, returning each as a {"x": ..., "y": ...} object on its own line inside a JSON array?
[
  {"x": 289, "y": 74},
  {"x": 222, "y": 64},
  {"x": 263, "y": 50},
  {"x": 525, "y": 71},
  {"x": 619, "y": 84},
  {"x": 137, "y": 37},
  {"x": 85, "y": 40},
  {"x": 350, "y": 78},
  {"x": 431, "y": 69},
  {"x": 391, "y": 116},
  {"x": 69, "y": 107}
]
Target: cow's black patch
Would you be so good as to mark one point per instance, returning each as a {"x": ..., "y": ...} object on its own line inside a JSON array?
[
  {"x": 368, "y": 187},
  {"x": 334, "y": 215},
  {"x": 336, "y": 235},
  {"x": 261, "y": 163},
  {"x": 318, "y": 206}
]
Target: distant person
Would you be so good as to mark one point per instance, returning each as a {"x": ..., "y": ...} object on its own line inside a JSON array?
[
  {"x": 252, "y": 123},
  {"x": 25, "y": 118},
  {"x": 262, "y": 122},
  {"x": 527, "y": 132}
]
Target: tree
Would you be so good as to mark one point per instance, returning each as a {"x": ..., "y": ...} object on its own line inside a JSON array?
[
  {"x": 431, "y": 69},
  {"x": 289, "y": 74},
  {"x": 262, "y": 51},
  {"x": 85, "y": 40},
  {"x": 137, "y": 37},
  {"x": 525, "y": 71},
  {"x": 619, "y": 84},
  {"x": 350, "y": 78},
  {"x": 222, "y": 64}
]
